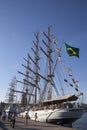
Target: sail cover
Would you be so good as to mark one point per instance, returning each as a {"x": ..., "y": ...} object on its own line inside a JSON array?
[{"x": 61, "y": 99}]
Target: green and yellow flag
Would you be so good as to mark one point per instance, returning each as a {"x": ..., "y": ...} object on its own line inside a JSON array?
[{"x": 72, "y": 51}]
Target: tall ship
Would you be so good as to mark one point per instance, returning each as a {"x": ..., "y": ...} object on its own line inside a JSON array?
[{"x": 50, "y": 92}]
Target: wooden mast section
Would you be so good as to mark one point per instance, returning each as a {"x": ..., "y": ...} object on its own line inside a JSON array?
[
  {"x": 36, "y": 63},
  {"x": 47, "y": 53}
]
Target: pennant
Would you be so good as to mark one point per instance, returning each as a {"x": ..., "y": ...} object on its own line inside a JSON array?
[
  {"x": 68, "y": 69},
  {"x": 74, "y": 81},
  {"x": 76, "y": 89},
  {"x": 71, "y": 85},
  {"x": 77, "y": 85},
  {"x": 72, "y": 51},
  {"x": 70, "y": 74},
  {"x": 81, "y": 93},
  {"x": 65, "y": 80}
]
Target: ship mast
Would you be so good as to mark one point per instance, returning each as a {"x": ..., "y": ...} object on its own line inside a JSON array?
[
  {"x": 34, "y": 69},
  {"x": 31, "y": 73},
  {"x": 11, "y": 97},
  {"x": 25, "y": 94},
  {"x": 36, "y": 78},
  {"x": 49, "y": 61},
  {"x": 49, "y": 66}
]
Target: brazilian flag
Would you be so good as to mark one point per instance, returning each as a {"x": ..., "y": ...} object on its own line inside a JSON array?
[{"x": 72, "y": 51}]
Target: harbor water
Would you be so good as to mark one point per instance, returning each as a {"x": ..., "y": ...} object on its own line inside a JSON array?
[{"x": 81, "y": 124}]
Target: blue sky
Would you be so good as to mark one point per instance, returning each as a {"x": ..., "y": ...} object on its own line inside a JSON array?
[{"x": 20, "y": 18}]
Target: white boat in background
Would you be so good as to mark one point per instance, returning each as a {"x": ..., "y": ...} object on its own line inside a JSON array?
[{"x": 42, "y": 84}]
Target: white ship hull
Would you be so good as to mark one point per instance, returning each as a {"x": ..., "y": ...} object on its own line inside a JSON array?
[{"x": 57, "y": 115}]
